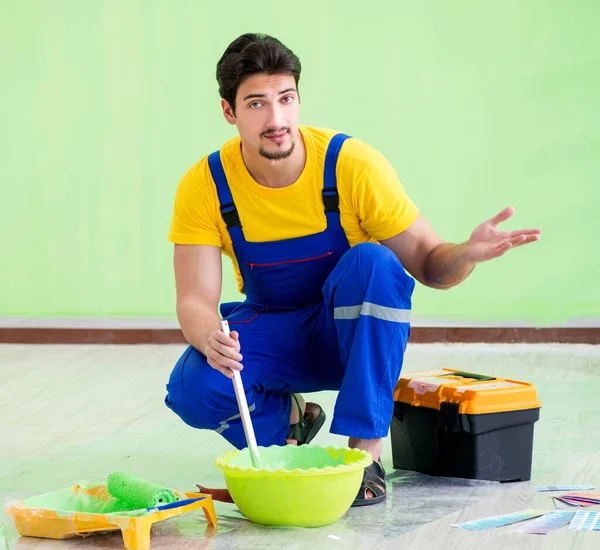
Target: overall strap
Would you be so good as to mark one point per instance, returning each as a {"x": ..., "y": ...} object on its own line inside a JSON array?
[
  {"x": 331, "y": 199},
  {"x": 226, "y": 204}
]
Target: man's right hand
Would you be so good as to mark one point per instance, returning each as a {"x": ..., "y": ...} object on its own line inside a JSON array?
[{"x": 223, "y": 352}]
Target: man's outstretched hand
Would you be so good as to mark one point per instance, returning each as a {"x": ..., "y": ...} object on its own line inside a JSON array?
[{"x": 488, "y": 242}]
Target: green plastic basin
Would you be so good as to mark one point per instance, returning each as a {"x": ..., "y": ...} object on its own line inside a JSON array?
[{"x": 296, "y": 486}]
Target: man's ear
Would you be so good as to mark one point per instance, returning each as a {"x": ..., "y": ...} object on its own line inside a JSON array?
[{"x": 228, "y": 112}]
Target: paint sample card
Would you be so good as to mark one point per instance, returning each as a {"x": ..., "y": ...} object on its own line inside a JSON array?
[
  {"x": 542, "y": 488},
  {"x": 577, "y": 503},
  {"x": 546, "y": 524},
  {"x": 580, "y": 499},
  {"x": 560, "y": 504},
  {"x": 585, "y": 521},
  {"x": 499, "y": 521},
  {"x": 594, "y": 498}
]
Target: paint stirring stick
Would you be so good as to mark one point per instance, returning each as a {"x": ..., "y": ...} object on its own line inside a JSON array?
[{"x": 244, "y": 412}]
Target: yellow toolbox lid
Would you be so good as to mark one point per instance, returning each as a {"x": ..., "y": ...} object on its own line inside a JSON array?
[{"x": 474, "y": 393}]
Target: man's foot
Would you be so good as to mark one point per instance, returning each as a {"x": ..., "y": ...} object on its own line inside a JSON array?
[
  {"x": 306, "y": 426},
  {"x": 372, "y": 489},
  {"x": 373, "y": 485},
  {"x": 297, "y": 409}
]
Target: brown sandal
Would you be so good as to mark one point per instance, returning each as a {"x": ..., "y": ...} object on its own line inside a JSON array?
[
  {"x": 309, "y": 425},
  {"x": 374, "y": 481}
]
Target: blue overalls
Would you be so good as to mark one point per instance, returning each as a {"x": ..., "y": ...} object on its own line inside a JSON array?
[{"x": 318, "y": 315}]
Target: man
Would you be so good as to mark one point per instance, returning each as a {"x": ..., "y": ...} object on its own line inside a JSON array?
[{"x": 321, "y": 235}]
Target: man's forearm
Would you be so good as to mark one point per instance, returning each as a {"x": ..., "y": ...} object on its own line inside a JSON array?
[
  {"x": 447, "y": 265},
  {"x": 198, "y": 321}
]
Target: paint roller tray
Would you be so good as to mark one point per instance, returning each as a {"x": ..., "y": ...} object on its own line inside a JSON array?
[{"x": 89, "y": 508}]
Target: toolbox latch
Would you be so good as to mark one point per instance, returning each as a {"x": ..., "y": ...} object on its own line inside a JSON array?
[{"x": 449, "y": 418}]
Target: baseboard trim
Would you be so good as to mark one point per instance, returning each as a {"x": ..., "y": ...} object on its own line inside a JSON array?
[{"x": 419, "y": 335}]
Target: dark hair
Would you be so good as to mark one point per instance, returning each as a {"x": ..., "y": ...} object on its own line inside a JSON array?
[{"x": 251, "y": 54}]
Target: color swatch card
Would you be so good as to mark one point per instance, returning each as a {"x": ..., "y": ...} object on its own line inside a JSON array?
[
  {"x": 585, "y": 521},
  {"x": 542, "y": 488},
  {"x": 546, "y": 524},
  {"x": 499, "y": 521},
  {"x": 562, "y": 505},
  {"x": 580, "y": 499}
]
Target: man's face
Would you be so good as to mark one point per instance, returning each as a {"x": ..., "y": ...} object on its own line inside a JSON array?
[{"x": 266, "y": 115}]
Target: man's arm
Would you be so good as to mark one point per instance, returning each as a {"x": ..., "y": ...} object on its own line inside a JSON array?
[
  {"x": 427, "y": 258},
  {"x": 198, "y": 276},
  {"x": 442, "y": 265}
]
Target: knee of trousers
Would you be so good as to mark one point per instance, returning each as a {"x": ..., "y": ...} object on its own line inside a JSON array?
[
  {"x": 195, "y": 394},
  {"x": 379, "y": 263}
]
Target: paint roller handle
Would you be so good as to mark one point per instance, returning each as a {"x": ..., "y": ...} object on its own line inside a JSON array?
[
  {"x": 176, "y": 504},
  {"x": 143, "y": 511},
  {"x": 240, "y": 395}
]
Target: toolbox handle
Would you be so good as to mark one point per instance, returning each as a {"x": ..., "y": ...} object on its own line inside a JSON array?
[{"x": 464, "y": 374}]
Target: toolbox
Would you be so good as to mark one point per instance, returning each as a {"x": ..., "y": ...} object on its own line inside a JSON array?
[{"x": 462, "y": 424}]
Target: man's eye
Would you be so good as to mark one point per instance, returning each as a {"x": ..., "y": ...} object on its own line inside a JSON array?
[
  {"x": 288, "y": 99},
  {"x": 255, "y": 105}
]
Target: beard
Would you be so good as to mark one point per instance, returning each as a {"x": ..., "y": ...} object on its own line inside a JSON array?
[{"x": 277, "y": 155}]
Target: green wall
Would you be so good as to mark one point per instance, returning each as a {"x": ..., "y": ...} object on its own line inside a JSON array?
[{"x": 477, "y": 104}]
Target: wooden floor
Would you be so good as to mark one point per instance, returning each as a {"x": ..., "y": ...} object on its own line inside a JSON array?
[{"x": 77, "y": 413}]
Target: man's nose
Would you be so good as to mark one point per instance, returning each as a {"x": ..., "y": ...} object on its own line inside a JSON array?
[{"x": 275, "y": 120}]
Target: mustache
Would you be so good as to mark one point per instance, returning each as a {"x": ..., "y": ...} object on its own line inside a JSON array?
[{"x": 273, "y": 132}]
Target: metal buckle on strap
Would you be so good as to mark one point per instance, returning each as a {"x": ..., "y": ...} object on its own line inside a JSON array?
[
  {"x": 331, "y": 199},
  {"x": 230, "y": 215}
]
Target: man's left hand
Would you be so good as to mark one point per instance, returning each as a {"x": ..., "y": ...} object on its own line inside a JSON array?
[{"x": 488, "y": 242}]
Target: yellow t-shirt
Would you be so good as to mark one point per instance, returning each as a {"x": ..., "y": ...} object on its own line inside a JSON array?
[{"x": 373, "y": 204}]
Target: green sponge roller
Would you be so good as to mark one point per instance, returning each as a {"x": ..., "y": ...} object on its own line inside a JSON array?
[{"x": 137, "y": 492}]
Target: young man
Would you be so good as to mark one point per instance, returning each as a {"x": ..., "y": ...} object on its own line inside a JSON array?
[{"x": 321, "y": 235}]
